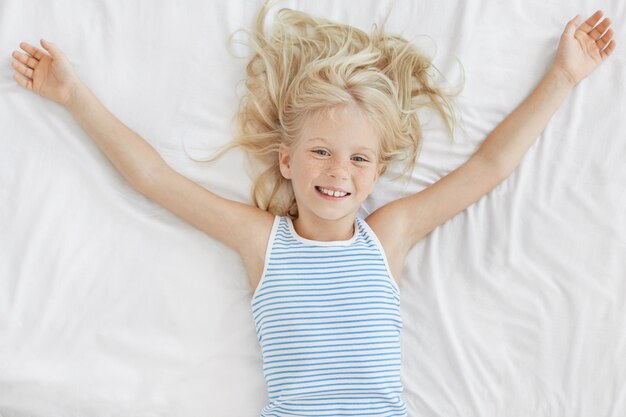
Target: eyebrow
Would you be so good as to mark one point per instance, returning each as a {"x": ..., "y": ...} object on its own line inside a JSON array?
[{"x": 319, "y": 138}]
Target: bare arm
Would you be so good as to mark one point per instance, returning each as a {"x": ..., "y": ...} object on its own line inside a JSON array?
[
  {"x": 505, "y": 146},
  {"x": 579, "y": 53},
  {"x": 53, "y": 77},
  {"x": 402, "y": 223},
  {"x": 133, "y": 157},
  {"x": 150, "y": 175}
]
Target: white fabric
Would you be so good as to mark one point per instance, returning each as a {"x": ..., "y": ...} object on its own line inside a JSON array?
[{"x": 110, "y": 305}]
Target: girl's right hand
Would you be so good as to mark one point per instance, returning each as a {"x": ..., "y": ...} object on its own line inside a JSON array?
[{"x": 50, "y": 76}]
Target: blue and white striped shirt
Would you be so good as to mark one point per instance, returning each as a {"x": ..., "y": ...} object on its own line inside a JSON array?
[{"x": 327, "y": 318}]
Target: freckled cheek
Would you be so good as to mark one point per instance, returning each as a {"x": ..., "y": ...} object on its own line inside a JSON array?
[
  {"x": 366, "y": 178},
  {"x": 312, "y": 168},
  {"x": 307, "y": 172}
]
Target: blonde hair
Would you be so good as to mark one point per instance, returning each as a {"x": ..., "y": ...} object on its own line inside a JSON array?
[{"x": 305, "y": 65}]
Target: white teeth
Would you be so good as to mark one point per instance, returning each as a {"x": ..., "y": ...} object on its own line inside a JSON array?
[{"x": 332, "y": 193}]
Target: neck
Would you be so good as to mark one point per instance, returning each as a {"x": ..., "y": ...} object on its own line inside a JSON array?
[{"x": 324, "y": 230}]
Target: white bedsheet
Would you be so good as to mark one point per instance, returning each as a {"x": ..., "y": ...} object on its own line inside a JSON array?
[{"x": 112, "y": 306}]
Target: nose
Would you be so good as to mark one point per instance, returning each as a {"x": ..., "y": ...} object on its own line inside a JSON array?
[{"x": 337, "y": 169}]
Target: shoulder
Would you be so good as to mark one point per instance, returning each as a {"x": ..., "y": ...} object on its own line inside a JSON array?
[
  {"x": 389, "y": 231},
  {"x": 388, "y": 227},
  {"x": 254, "y": 248}
]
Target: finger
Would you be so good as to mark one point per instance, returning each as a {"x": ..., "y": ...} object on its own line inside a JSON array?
[
  {"x": 571, "y": 26},
  {"x": 597, "y": 32},
  {"x": 24, "y": 82},
  {"x": 588, "y": 24},
  {"x": 36, "y": 52},
  {"x": 609, "y": 49},
  {"x": 29, "y": 61},
  {"x": 51, "y": 48},
  {"x": 22, "y": 69},
  {"x": 605, "y": 39}
]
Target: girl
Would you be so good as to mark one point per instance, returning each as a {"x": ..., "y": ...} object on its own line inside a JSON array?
[{"x": 327, "y": 109}]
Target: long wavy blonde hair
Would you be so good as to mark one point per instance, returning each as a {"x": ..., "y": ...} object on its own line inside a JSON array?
[{"x": 303, "y": 65}]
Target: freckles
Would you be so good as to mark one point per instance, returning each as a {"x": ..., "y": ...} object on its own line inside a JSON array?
[
  {"x": 368, "y": 175},
  {"x": 314, "y": 165},
  {"x": 310, "y": 166}
]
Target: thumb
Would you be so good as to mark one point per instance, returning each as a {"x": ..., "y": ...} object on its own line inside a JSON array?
[{"x": 571, "y": 26}]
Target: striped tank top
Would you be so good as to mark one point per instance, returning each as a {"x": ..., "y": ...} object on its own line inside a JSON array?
[{"x": 327, "y": 317}]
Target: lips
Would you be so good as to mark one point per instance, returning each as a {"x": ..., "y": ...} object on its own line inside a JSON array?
[
  {"x": 329, "y": 191},
  {"x": 329, "y": 187}
]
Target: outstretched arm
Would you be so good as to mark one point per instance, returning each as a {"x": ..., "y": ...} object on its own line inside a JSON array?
[
  {"x": 402, "y": 223},
  {"x": 52, "y": 76},
  {"x": 580, "y": 51}
]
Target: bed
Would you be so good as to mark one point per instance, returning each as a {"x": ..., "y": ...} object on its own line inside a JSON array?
[{"x": 112, "y": 306}]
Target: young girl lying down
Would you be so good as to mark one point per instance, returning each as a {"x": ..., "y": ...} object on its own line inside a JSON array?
[{"x": 327, "y": 108}]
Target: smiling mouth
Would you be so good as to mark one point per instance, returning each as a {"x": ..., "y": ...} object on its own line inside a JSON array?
[{"x": 331, "y": 193}]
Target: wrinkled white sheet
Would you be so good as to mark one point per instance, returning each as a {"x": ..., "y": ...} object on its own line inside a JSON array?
[{"x": 112, "y": 306}]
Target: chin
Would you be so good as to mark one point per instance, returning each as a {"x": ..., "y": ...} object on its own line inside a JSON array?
[{"x": 335, "y": 214}]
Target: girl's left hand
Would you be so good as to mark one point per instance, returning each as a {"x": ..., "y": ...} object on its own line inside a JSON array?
[{"x": 582, "y": 49}]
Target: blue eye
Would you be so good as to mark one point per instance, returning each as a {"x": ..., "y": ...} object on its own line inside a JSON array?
[
  {"x": 362, "y": 159},
  {"x": 319, "y": 150}
]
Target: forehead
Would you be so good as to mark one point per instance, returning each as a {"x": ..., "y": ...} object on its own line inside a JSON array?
[{"x": 341, "y": 126}]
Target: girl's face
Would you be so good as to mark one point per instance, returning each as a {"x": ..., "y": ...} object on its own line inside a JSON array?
[{"x": 337, "y": 156}]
